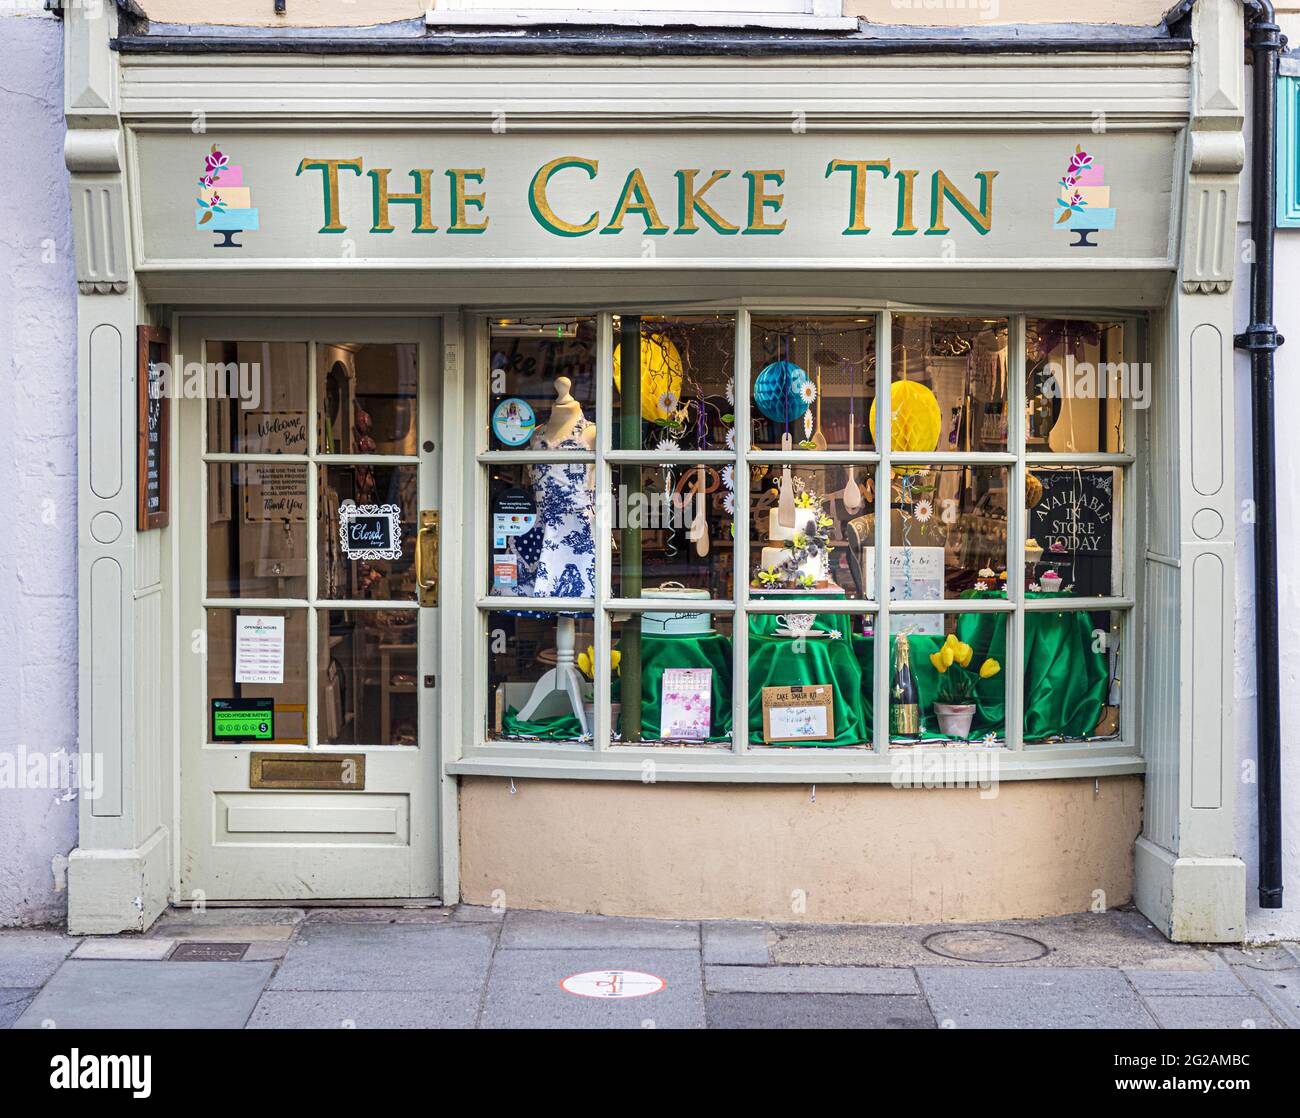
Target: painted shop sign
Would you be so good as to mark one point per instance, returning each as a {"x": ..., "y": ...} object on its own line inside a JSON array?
[{"x": 533, "y": 198}]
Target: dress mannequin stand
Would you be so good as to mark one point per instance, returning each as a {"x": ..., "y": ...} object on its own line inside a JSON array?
[{"x": 563, "y": 424}]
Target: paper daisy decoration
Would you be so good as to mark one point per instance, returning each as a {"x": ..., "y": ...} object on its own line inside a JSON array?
[
  {"x": 667, "y": 403},
  {"x": 729, "y": 478},
  {"x": 990, "y": 739},
  {"x": 808, "y": 392},
  {"x": 923, "y": 511},
  {"x": 731, "y": 391},
  {"x": 729, "y": 503},
  {"x": 731, "y": 438},
  {"x": 667, "y": 445}
]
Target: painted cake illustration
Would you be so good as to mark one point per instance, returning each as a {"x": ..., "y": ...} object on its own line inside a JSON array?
[
  {"x": 1083, "y": 204},
  {"x": 224, "y": 204}
]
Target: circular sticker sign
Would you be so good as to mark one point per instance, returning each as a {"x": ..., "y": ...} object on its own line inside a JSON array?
[
  {"x": 612, "y": 984},
  {"x": 513, "y": 421}
]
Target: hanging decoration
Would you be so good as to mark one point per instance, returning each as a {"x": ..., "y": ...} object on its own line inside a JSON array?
[
  {"x": 661, "y": 376},
  {"x": 783, "y": 392}
]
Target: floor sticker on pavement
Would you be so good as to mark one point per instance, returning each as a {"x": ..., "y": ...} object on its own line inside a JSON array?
[{"x": 612, "y": 984}]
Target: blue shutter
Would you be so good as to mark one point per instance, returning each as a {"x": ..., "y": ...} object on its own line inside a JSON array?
[{"x": 1288, "y": 152}]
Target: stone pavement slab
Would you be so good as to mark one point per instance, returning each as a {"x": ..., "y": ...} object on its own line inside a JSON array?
[
  {"x": 438, "y": 957},
  {"x": 12, "y": 1003},
  {"x": 741, "y": 944},
  {"x": 366, "y": 1009},
  {"x": 174, "y": 918},
  {"x": 524, "y": 990},
  {"x": 1217, "y": 980},
  {"x": 29, "y": 957},
  {"x": 108, "y": 994},
  {"x": 816, "y": 1011},
  {"x": 1277, "y": 987},
  {"x": 564, "y": 930},
  {"x": 124, "y": 947},
  {"x": 1210, "y": 1012},
  {"x": 810, "y": 980},
  {"x": 1032, "y": 998}
]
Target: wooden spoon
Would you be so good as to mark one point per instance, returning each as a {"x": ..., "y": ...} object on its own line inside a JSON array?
[
  {"x": 818, "y": 439},
  {"x": 785, "y": 502}
]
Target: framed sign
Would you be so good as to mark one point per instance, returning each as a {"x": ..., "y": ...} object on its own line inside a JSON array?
[
  {"x": 370, "y": 531},
  {"x": 152, "y": 419},
  {"x": 243, "y": 719}
]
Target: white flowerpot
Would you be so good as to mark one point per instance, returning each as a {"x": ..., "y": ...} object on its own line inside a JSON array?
[{"x": 955, "y": 719}]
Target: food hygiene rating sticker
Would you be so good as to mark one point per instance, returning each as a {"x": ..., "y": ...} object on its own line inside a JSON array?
[{"x": 612, "y": 984}]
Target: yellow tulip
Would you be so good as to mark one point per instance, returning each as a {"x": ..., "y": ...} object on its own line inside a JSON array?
[
  {"x": 951, "y": 641},
  {"x": 948, "y": 656},
  {"x": 989, "y": 669},
  {"x": 586, "y": 661},
  {"x": 963, "y": 654},
  {"x": 940, "y": 664},
  {"x": 615, "y": 658}
]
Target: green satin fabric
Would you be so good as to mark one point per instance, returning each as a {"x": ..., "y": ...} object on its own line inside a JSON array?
[{"x": 1065, "y": 679}]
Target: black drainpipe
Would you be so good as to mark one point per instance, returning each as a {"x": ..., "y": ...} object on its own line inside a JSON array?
[{"x": 1262, "y": 340}]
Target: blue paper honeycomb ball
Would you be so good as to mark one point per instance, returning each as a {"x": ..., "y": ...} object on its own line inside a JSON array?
[{"x": 778, "y": 391}]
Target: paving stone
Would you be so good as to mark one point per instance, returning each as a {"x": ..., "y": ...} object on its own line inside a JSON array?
[
  {"x": 223, "y": 917},
  {"x": 443, "y": 957},
  {"x": 29, "y": 957},
  {"x": 1152, "y": 982},
  {"x": 524, "y": 990},
  {"x": 234, "y": 933},
  {"x": 477, "y": 914},
  {"x": 123, "y": 947},
  {"x": 739, "y": 944},
  {"x": 809, "y": 980},
  {"x": 816, "y": 1011},
  {"x": 365, "y": 1009},
  {"x": 1032, "y": 998},
  {"x": 109, "y": 994},
  {"x": 564, "y": 930},
  {"x": 377, "y": 916},
  {"x": 1240, "y": 1011},
  {"x": 12, "y": 1004},
  {"x": 1278, "y": 989}
]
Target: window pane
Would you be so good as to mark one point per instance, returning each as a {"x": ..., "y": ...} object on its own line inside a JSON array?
[
  {"x": 367, "y": 399},
  {"x": 949, "y": 387},
  {"x": 1072, "y": 683},
  {"x": 258, "y": 654},
  {"x": 257, "y": 397},
  {"x": 257, "y": 530},
  {"x": 536, "y": 689},
  {"x": 686, "y": 399},
  {"x": 542, "y": 383},
  {"x": 947, "y": 683},
  {"x": 814, "y": 379},
  {"x": 948, "y": 531},
  {"x": 362, "y": 565},
  {"x": 1074, "y": 535},
  {"x": 673, "y": 529},
  {"x": 366, "y": 674},
  {"x": 675, "y": 668},
  {"x": 541, "y": 530},
  {"x": 824, "y": 551},
  {"x": 1076, "y": 384},
  {"x": 828, "y": 657}
]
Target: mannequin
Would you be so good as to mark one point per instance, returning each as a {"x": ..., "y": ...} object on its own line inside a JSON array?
[{"x": 566, "y": 552}]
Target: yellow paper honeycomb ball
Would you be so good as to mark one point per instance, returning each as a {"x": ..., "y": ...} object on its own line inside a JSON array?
[
  {"x": 917, "y": 420},
  {"x": 661, "y": 372}
]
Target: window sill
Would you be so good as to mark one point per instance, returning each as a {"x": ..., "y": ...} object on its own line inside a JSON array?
[
  {"x": 929, "y": 768},
  {"x": 501, "y": 17}
]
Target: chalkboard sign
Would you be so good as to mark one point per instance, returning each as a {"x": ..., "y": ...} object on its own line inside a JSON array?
[
  {"x": 152, "y": 419},
  {"x": 1076, "y": 516},
  {"x": 370, "y": 531}
]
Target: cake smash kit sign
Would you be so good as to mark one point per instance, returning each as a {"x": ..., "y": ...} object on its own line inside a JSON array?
[{"x": 532, "y": 197}]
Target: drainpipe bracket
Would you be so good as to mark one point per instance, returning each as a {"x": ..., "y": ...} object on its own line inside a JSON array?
[{"x": 1259, "y": 336}]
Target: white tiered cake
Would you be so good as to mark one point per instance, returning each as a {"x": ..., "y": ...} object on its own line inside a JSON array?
[{"x": 816, "y": 567}]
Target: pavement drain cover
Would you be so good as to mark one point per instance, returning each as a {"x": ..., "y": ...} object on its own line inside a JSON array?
[
  {"x": 973, "y": 945},
  {"x": 195, "y": 952},
  {"x": 612, "y": 984}
]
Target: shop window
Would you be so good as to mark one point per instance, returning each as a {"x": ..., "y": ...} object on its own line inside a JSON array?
[{"x": 698, "y": 545}]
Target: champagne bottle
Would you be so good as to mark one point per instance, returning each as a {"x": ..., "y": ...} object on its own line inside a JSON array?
[{"x": 904, "y": 706}]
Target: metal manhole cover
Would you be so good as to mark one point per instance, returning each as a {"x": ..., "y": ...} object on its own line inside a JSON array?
[
  {"x": 196, "y": 952},
  {"x": 973, "y": 945}
]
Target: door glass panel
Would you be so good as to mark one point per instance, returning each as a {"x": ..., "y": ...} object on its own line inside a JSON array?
[
  {"x": 257, "y": 397},
  {"x": 248, "y": 651},
  {"x": 367, "y": 399},
  {"x": 356, "y": 556},
  {"x": 257, "y": 530},
  {"x": 367, "y": 682}
]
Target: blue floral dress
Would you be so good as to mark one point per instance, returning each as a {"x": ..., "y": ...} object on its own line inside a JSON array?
[{"x": 557, "y": 559}]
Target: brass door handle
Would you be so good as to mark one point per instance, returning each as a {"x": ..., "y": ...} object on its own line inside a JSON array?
[{"x": 426, "y": 556}]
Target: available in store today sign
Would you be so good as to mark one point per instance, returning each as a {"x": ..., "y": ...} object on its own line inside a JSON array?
[{"x": 688, "y": 198}]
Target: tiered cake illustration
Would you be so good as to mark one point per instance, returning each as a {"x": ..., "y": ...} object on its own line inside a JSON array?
[
  {"x": 1083, "y": 205},
  {"x": 224, "y": 204}
]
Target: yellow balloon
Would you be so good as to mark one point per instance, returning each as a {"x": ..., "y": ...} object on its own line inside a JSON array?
[
  {"x": 661, "y": 372},
  {"x": 917, "y": 420}
]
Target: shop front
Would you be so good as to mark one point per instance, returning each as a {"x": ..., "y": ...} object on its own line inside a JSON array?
[{"x": 523, "y": 525}]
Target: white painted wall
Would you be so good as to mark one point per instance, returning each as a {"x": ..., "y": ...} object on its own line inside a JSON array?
[
  {"x": 1285, "y": 922},
  {"x": 38, "y": 472}
]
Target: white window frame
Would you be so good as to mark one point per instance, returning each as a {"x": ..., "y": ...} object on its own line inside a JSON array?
[
  {"x": 601, "y": 758},
  {"x": 787, "y": 15}
]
